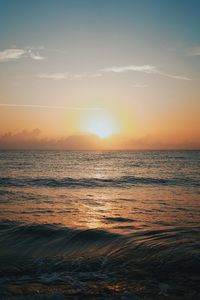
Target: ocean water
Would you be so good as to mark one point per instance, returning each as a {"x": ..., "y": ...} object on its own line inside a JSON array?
[{"x": 100, "y": 225}]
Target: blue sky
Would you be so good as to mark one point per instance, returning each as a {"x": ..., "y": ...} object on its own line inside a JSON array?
[{"x": 25, "y": 22}]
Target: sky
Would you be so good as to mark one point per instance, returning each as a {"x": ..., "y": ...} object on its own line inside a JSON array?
[{"x": 78, "y": 74}]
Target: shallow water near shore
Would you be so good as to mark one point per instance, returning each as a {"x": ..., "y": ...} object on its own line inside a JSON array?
[{"x": 99, "y": 225}]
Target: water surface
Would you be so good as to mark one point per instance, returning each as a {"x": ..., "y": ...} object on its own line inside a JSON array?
[{"x": 100, "y": 225}]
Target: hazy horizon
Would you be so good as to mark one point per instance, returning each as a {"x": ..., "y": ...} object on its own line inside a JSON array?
[{"x": 33, "y": 140}]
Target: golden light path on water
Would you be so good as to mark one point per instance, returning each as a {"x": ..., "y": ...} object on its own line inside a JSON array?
[{"x": 111, "y": 209}]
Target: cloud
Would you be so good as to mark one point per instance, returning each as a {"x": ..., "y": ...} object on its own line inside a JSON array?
[
  {"x": 33, "y": 53},
  {"x": 78, "y": 76},
  {"x": 147, "y": 69},
  {"x": 194, "y": 51},
  {"x": 144, "y": 68},
  {"x": 46, "y": 49},
  {"x": 48, "y": 106},
  {"x": 11, "y": 54},
  {"x": 66, "y": 75},
  {"x": 54, "y": 76},
  {"x": 85, "y": 75},
  {"x": 150, "y": 142},
  {"x": 179, "y": 77},
  {"x": 16, "y": 54},
  {"x": 36, "y": 55},
  {"x": 33, "y": 139}
]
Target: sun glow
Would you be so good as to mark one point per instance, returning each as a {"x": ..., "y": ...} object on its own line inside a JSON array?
[{"x": 104, "y": 126}]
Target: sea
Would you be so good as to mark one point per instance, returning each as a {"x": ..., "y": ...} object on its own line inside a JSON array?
[{"x": 99, "y": 225}]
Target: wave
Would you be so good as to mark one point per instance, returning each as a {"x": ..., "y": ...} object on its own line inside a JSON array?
[
  {"x": 81, "y": 261},
  {"x": 68, "y": 182},
  {"x": 150, "y": 247}
]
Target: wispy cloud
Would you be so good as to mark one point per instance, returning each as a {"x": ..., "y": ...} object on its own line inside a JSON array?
[
  {"x": 84, "y": 75},
  {"x": 48, "y": 106},
  {"x": 43, "y": 48},
  {"x": 179, "y": 77},
  {"x": 194, "y": 51},
  {"x": 11, "y": 54},
  {"x": 54, "y": 76},
  {"x": 144, "y": 68},
  {"x": 16, "y": 54},
  {"x": 36, "y": 55},
  {"x": 148, "y": 69},
  {"x": 66, "y": 75}
]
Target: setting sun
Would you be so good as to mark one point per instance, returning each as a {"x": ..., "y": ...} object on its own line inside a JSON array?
[{"x": 102, "y": 125}]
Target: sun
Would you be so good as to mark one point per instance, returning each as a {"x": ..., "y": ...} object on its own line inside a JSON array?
[
  {"x": 102, "y": 125},
  {"x": 101, "y": 128}
]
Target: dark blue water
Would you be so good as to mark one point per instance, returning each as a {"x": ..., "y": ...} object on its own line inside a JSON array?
[{"x": 99, "y": 225}]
